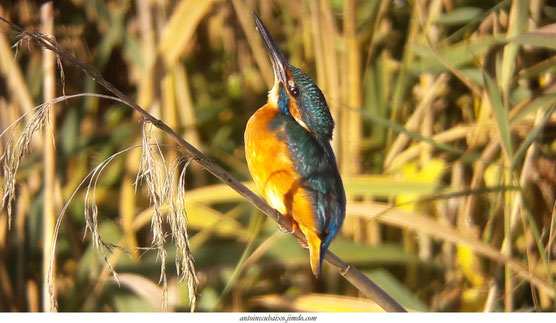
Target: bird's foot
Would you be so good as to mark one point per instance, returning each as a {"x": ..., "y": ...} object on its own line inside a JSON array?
[
  {"x": 293, "y": 224},
  {"x": 282, "y": 229},
  {"x": 303, "y": 244}
]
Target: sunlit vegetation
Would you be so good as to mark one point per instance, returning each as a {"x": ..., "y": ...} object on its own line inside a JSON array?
[{"x": 445, "y": 137}]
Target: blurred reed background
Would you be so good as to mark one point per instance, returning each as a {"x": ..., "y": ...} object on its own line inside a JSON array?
[{"x": 446, "y": 142}]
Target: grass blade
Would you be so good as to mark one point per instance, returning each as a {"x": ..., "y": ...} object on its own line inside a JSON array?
[
  {"x": 500, "y": 114},
  {"x": 532, "y": 136}
]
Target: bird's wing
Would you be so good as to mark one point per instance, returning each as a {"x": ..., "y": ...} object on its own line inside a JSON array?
[{"x": 315, "y": 162}]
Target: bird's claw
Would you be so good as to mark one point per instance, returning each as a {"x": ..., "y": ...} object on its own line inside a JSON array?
[
  {"x": 303, "y": 244},
  {"x": 282, "y": 229},
  {"x": 293, "y": 224}
]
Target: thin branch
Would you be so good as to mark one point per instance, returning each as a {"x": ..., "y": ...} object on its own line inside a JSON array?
[{"x": 349, "y": 272}]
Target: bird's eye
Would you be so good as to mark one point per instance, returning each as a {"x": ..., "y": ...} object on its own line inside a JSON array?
[{"x": 294, "y": 91}]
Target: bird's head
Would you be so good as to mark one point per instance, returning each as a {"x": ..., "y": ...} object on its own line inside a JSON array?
[{"x": 294, "y": 93}]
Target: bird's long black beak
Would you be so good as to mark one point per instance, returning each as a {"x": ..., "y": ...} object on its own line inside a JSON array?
[{"x": 279, "y": 62}]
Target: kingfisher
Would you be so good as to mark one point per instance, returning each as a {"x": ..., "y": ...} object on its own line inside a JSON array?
[{"x": 288, "y": 152}]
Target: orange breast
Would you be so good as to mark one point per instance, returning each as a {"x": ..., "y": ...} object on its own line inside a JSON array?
[{"x": 273, "y": 171}]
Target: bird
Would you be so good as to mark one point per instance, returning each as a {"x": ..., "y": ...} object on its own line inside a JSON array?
[{"x": 289, "y": 156}]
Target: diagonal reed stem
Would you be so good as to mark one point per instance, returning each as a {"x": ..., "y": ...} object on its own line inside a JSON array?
[{"x": 349, "y": 272}]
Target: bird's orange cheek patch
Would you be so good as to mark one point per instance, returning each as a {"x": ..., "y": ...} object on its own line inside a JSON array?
[{"x": 294, "y": 111}]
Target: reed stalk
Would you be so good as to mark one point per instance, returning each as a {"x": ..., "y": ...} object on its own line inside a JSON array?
[{"x": 49, "y": 207}]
